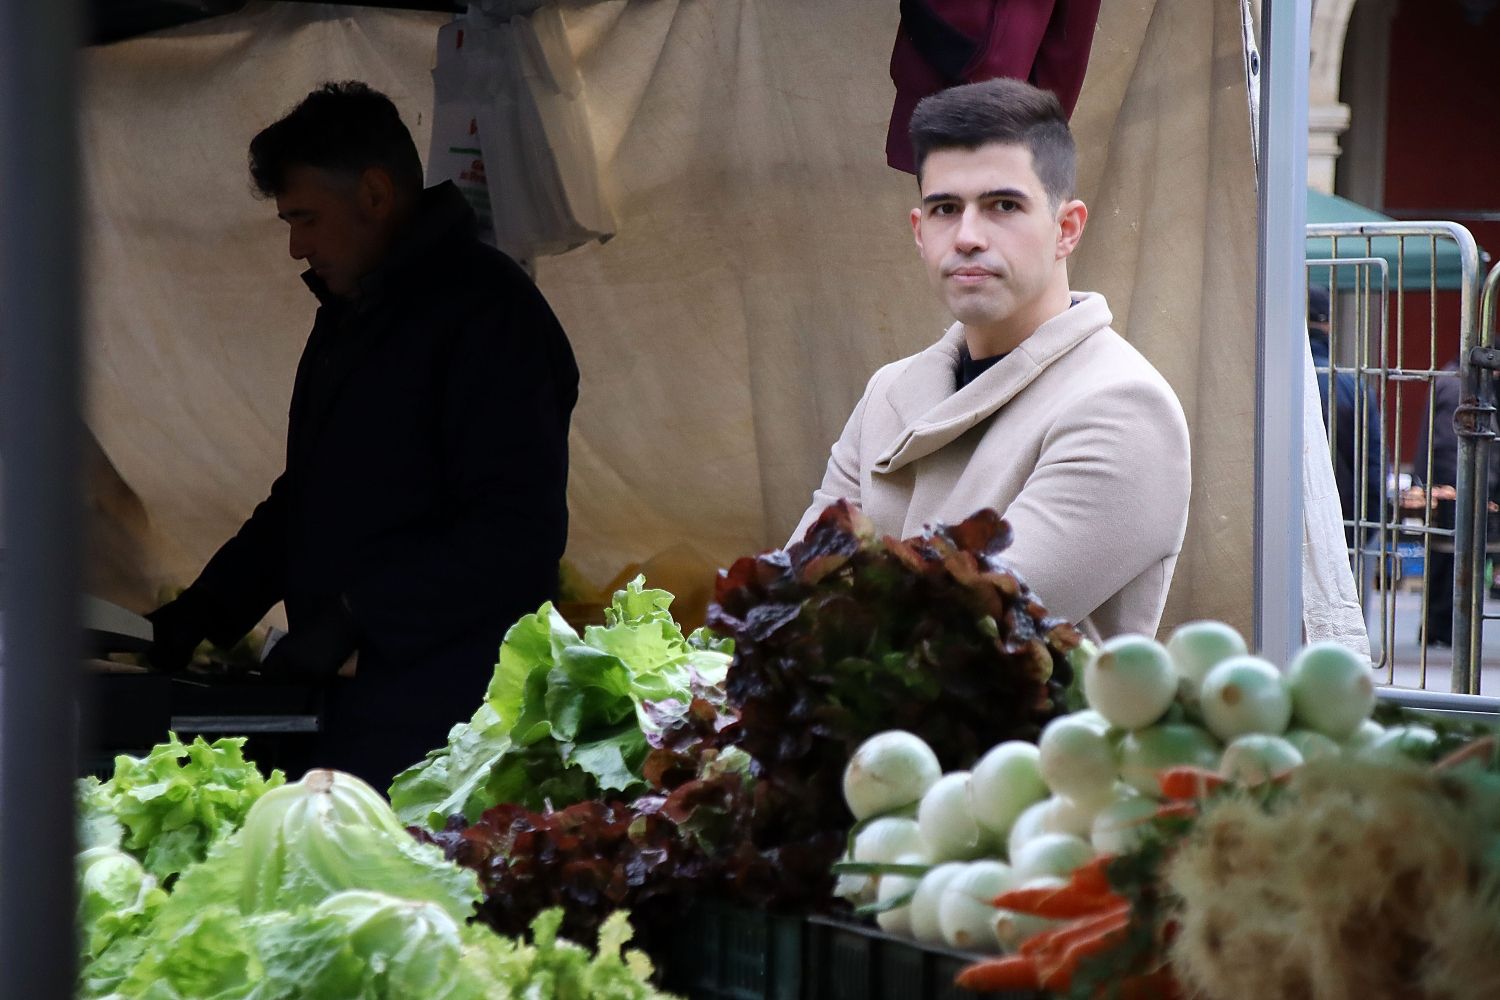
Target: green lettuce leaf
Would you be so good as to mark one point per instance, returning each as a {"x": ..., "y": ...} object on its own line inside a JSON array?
[
  {"x": 564, "y": 717},
  {"x": 97, "y": 826},
  {"x": 452, "y": 780},
  {"x": 302, "y": 843},
  {"x": 117, "y": 901},
  {"x": 553, "y": 968},
  {"x": 175, "y": 802}
]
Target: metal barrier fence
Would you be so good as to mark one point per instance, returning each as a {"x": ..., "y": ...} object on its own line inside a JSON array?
[{"x": 1414, "y": 509}]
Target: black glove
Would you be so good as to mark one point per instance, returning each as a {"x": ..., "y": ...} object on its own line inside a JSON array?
[
  {"x": 315, "y": 651},
  {"x": 177, "y": 628}
]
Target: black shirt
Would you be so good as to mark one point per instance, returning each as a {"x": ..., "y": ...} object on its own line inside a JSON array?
[{"x": 969, "y": 369}]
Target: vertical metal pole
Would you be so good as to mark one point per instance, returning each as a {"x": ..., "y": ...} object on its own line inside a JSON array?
[
  {"x": 1474, "y": 423},
  {"x": 1281, "y": 284},
  {"x": 39, "y": 436}
]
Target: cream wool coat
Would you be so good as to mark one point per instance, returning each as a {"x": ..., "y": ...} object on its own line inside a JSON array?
[{"x": 1073, "y": 436}]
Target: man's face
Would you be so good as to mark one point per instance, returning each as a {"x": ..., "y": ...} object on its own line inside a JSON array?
[
  {"x": 991, "y": 238},
  {"x": 334, "y": 226}
]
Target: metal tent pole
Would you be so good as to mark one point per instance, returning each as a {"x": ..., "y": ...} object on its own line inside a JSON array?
[
  {"x": 39, "y": 436},
  {"x": 1281, "y": 285}
]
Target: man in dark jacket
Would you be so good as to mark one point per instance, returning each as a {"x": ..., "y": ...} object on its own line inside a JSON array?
[
  {"x": 1357, "y": 467},
  {"x": 422, "y": 509},
  {"x": 1438, "y": 484}
]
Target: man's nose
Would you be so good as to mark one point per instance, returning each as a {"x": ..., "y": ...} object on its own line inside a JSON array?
[
  {"x": 970, "y": 235},
  {"x": 297, "y": 247}
]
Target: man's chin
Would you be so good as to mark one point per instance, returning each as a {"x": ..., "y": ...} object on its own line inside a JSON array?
[{"x": 973, "y": 312}]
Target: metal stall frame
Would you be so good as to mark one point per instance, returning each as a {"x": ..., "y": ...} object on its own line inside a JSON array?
[
  {"x": 1475, "y": 423},
  {"x": 1281, "y": 289},
  {"x": 40, "y": 438}
]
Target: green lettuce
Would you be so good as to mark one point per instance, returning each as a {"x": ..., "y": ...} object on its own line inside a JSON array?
[
  {"x": 169, "y": 807},
  {"x": 564, "y": 717},
  {"x": 117, "y": 899},
  {"x": 553, "y": 968},
  {"x": 304, "y": 842},
  {"x": 369, "y": 946}
]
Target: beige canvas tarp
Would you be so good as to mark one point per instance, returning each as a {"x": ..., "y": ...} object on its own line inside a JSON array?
[{"x": 763, "y": 266}]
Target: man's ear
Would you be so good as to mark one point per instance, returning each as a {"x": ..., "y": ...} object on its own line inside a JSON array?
[
  {"x": 916, "y": 227},
  {"x": 1071, "y": 218},
  {"x": 377, "y": 192}
]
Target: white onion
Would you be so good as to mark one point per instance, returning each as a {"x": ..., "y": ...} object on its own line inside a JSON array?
[
  {"x": 1171, "y": 744},
  {"x": 946, "y": 819},
  {"x": 886, "y": 838},
  {"x": 1027, "y": 825},
  {"x": 966, "y": 911},
  {"x": 1198, "y": 647},
  {"x": 857, "y": 889},
  {"x": 1245, "y": 694},
  {"x": 1062, "y": 815},
  {"x": 898, "y": 920},
  {"x": 1121, "y": 826},
  {"x": 1131, "y": 682},
  {"x": 1401, "y": 741},
  {"x": 1256, "y": 758},
  {"x": 1004, "y": 782},
  {"x": 1076, "y": 760},
  {"x": 1311, "y": 745},
  {"x": 923, "y": 911},
  {"x": 1368, "y": 732},
  {"x": 1332, "y": 689},
  {"x": 1092, "y": 718},
  {"x": 888, "y": 771},
  {"x": 1051, "y": 854}
]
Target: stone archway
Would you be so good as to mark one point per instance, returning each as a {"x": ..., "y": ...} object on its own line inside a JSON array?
[{"x": 1327, "y": 116}]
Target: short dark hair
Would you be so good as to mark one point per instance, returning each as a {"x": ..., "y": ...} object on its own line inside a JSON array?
[
  {"x": 1003, "y": 110},
  {"x": 344, "y": 127},
  {"x": 1318, "y": 308}
]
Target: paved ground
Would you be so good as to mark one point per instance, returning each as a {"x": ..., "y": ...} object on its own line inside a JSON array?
[{"x": 1404, "y": 662}]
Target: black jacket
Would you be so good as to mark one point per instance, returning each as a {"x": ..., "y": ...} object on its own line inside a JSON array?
[
  {"x": 425, "y": 486},
  {"x": 1347, "y": 458}
]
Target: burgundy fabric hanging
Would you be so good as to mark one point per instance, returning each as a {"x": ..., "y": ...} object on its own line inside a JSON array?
[{"x": 942, "y": 43}]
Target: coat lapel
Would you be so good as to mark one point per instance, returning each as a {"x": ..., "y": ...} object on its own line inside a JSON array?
[{"x": 932, "y": 414}]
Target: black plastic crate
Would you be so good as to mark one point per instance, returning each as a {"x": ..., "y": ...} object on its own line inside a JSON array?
[
  {"x": 725, "y": 952},
  {"x": 849, "y": 961}
]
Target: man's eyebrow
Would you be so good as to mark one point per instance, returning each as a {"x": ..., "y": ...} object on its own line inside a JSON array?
[
  {"x": 1009, "y": 194},
  {"x": 296, "y": 213}
]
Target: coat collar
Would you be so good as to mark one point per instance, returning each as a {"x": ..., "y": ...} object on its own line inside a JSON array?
[
  {"x": 932, "y": 414},
  {"x": 443, "y": 216}
]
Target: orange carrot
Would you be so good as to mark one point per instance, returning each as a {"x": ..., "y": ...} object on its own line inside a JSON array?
[
  {"x": 1086, "y": 892},
  {"x": 1180, "y": 810},
  {"x": 1188, "y": 782},
  {"x": 1014, "y": 972},
  {"x": 1058, "y": 938},
  {"x": 1093, "y": 877},
  {"x": 1061, "y": 903},
  {"x": 1478, "y": 750},
  {"x": 1056, "y": 969}
]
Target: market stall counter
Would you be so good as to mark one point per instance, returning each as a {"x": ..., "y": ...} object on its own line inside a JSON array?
[{"x": 130, "y": 706}]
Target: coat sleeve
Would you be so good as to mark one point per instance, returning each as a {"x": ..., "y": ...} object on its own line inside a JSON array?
[
  {"x": 508, "y": 390},
  {"x": 1107, "y": 500},
  {"x": 247, "y": 576},
  {"x": 842, "y": 476}
]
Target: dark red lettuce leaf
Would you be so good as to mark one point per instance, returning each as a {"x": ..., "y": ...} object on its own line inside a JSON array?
[{"x": 936, "y": 635}]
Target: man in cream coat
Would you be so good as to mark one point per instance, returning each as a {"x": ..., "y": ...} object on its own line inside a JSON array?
[{"x": 1030, "y": 403}]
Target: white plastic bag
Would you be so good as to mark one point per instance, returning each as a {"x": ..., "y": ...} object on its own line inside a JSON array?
[{"x": 510, "y": 129}]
